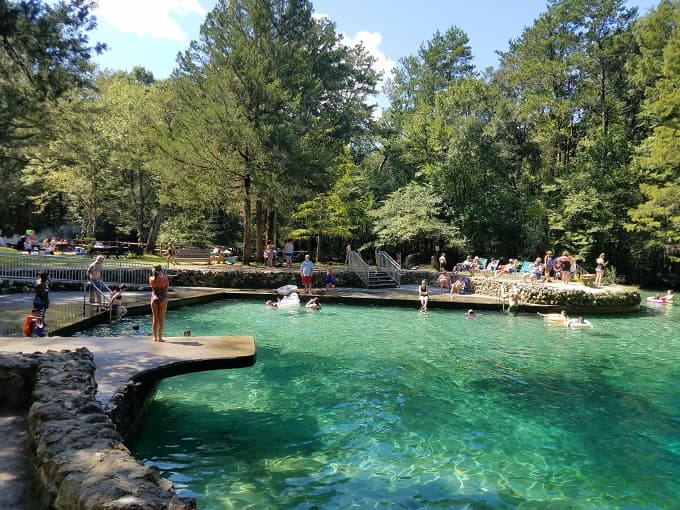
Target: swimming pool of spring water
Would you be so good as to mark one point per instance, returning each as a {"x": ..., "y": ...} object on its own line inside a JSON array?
[{"x": 383, "y": 406}]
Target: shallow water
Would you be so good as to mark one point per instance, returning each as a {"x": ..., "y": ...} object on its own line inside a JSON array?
[{"x": 389, "y": 407}]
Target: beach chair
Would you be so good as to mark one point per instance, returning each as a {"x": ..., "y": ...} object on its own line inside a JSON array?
[
  {"x": 490, "y": 269},
  {"x": 524, "y": 268}
]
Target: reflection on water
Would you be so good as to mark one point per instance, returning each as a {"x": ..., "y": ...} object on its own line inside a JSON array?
[{"x": 382, "y": 407}]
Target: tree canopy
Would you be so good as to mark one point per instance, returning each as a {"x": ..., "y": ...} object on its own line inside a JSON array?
[{"x": 268, "y": 129}]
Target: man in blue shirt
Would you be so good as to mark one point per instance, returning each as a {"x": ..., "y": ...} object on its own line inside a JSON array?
[{"x": 306, "y": 272}]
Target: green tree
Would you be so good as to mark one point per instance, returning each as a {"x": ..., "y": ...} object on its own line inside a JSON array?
[
  {"x": 44, "y": 53},
  {"x": 99, "y": 158},
  {"x": 657, "y": 217},
  {"x": 265, "y": 97},
  {"x": 324, "y": 216},
  {"x": 412, "y": 216}
]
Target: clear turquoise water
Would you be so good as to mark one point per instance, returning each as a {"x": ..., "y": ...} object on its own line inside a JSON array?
[{"x": 389, "y": 407}]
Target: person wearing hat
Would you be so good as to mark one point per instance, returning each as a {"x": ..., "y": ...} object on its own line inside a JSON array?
[
  {"x": 41, "y": 300},
  {"x": 94, "y": 277},
  {"x": 470, "y": 314}
]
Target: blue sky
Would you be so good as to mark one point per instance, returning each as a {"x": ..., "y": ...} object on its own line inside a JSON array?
[{"x": 150, "y": 33}]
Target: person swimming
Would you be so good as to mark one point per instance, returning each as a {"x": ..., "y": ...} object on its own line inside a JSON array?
[
  {"x": 554, "y": 317},
  {"x": 470, "y": 314},
  {"x": 313, "y": 304},
  {"x": 513, "y": 300}
]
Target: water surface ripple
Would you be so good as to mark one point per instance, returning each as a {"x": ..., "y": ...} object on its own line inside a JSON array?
[{"x": 389, "y": 407}]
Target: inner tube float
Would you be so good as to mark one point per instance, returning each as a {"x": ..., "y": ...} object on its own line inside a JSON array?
[
  {"x": 575, "y": 324},
  {"x": 287, "y": 289},
  {"x": 659, "y": 301},
  {"x": 290, "y": 301}
]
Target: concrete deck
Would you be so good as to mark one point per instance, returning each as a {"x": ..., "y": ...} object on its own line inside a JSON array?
[{"x": 121, "y": 359}]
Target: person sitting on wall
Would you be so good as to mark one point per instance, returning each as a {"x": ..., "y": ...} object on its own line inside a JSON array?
[{"x": 444, "y": 281}]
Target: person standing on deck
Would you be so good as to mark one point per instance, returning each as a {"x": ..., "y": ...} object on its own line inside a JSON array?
[
  {"x": 41, "y": 300},
  {"x": 289, "y": 252},
  {"x": 442, "y": 261},
  {"x": 306, "y": 273},
  {"x": 159, "y": 284},
  {"x": 94, "y": 277},
  {"x": 601, "y": 263}
]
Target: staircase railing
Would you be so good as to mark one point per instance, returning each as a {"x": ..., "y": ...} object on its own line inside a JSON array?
[
  {"x": 357, "y": 265},
  {"x": 389, "y": 266},
  {"x": 104, "y": 300},
  {"x": 580, "y": 270}
]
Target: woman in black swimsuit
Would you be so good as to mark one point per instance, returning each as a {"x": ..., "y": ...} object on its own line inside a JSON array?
[
  {"x": 565, "y": 266},
  {"x": 159, "y": 303},
  {"x": 423, "y": 295}
]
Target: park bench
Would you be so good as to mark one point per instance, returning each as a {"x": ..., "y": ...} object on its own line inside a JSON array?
[
  {"x": 588, "y": 279},
  {"x": 193, "y": 255},
  {"x": 202, "y": 256}
]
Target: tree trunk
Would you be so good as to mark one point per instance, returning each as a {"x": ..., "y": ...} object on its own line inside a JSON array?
[
  {"x": 246, "y": 219},
  {"x": 318, "y": 247},
  {"x": 259, "y": 228},
  {"x": 603, "y": 97},
  {"x": 155, "y": 228},
  {"x": 271, "y": 226}
]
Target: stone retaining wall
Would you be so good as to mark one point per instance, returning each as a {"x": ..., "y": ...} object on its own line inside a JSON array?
[
  {"x": 80, "y": 460},
  {"x": 254, "y": 279},
  {"x": 577, "y": 297}
]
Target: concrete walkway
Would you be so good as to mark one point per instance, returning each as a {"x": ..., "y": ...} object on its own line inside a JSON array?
[
  {"x": 120, "y": 359},
  {"x": 15, "y": 465}
]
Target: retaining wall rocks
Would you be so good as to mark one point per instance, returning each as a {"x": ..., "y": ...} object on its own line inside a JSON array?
[
  {"x": 80, "y": 460},
  {"x": 611, "y": 299},
  {"x": 253, "y": 279}
]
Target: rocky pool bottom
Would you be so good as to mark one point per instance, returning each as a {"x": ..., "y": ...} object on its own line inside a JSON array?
[{"x": 384, "y": 406}]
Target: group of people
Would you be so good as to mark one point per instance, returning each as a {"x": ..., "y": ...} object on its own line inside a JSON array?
[
  {"x": 307, "y": 275},
  {"x": 312, "y": 304},
  {"x": 270, "y": 253},
  {"x": 563, "y": 319},
  {"x": 542, "y": 269}
]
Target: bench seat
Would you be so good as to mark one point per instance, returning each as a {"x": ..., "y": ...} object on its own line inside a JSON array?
[{"x": 193, "y": 255}]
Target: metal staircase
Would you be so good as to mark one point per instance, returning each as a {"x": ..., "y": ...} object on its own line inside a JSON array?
[
  {"x": 385, "y": 276},
  {"x": 379, "y": 279}
]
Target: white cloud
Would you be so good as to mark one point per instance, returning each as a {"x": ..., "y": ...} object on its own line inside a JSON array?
[
  {"x": 156, "y": 18},
  {"x": 371, "y": 42}
]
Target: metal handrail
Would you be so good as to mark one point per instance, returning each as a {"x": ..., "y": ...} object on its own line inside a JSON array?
[
  {"x": 106, "y": 300},
  {"x": 357, "y": 265},
  {"x": 580, "y": 270},
  {"x": 389, "y": 265}
]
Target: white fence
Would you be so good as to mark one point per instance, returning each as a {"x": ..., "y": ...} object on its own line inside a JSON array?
[{"x": 71, "y": 269}]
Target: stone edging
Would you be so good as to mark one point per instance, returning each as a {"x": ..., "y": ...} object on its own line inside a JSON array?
[
  {"x": 578, "y": 298},
  {"x": 80, "y": 460}
]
